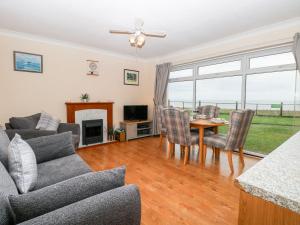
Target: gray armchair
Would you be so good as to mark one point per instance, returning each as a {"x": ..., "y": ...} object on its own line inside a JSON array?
[
  {"x": 25, "y": 127},
  {"x": 67, "y": 191}
]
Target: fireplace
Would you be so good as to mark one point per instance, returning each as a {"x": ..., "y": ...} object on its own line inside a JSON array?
[{"x": 92, "y": 131}]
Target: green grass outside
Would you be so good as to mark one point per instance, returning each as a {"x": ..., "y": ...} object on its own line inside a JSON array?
[{"x": 267, "y": 133}]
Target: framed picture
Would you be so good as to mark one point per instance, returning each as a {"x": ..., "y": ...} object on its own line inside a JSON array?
[
  {"x": 131, "y": 77},
  {"x": 28, "y": 62}
]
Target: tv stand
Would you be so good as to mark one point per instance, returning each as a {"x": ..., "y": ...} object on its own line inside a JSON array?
[{"x": 137, "y": 129}]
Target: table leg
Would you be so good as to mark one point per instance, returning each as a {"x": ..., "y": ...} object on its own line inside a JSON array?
[{"x": 201, "y": 144}]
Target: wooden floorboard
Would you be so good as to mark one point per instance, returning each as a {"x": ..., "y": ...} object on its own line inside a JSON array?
[{"x": 172, "y": 193}]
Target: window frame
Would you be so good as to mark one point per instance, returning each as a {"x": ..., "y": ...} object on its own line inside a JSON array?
[{"x": 243, "y": 72}]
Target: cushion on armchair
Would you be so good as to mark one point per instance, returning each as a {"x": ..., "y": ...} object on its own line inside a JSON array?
[
  {"x": 51, "y": 147},
  {"x": 4, "y": 142},
  {"x": 47, "y": 122},
  {"x": 39, "y": 202},
  {"x": 28, "y": 122}
]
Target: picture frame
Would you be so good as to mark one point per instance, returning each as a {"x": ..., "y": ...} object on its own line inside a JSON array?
[
  {"x": 28, "y": 62},
  {"x": 131, "y": 77}
]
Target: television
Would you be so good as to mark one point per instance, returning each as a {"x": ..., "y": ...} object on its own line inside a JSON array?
[{"x": 135, "y": 112}]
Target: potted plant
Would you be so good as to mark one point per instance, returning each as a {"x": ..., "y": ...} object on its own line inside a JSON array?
[
  {"x": 84, "y": 97},
  {"x": 111, "y": 133}
]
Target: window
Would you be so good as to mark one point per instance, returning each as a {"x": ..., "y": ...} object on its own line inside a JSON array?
[
  {"x": 180, "y": 94},
  {"x": 181, "y": 73},
  {"x": 272, "y": 60},
  {"x": 224, "y": 92},
  {"x": 264, "y": 81},
  {"x": 220, "y": 68}
]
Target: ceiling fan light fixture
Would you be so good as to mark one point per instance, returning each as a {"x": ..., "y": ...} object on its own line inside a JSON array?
[
  {"x": 132, "y": 39},
  {"x": 140, "y": 40}
]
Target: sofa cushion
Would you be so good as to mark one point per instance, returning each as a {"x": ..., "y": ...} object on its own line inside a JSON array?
[
  {"x": 28, "y": 122},
  {"x": 44, "y": 200},
  {"x": 51, "y": 147},
  {"x": 7, "y": 187},
  {"x": 61, "y": 169},
  {"x": 22, "y": 164},
  {"x": 28, "y": 133},
  {"x": 47, "y": 122},
  {"x": 4, "y": 142}
]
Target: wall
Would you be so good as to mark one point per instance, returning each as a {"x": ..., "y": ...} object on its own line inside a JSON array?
[{"x": 64, "y": 79}]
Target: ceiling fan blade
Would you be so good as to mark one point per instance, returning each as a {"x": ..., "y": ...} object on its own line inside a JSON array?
[
  {"x": 120, "y": 32},
  {"x": 159, "y": 35}
]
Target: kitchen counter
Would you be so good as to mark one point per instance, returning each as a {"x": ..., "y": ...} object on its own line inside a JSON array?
[{"x": 276, "y": 178}]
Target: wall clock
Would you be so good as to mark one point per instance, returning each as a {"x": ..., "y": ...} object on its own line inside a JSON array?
[{"x": 93, "y": 67}]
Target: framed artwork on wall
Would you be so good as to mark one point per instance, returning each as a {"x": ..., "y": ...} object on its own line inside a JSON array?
[
  {"x": 131, "y": 77},
  {"x": 28, "y": 62}
]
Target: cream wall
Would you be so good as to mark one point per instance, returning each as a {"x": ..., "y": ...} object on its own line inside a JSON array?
[{"x": 64, "y": 79}]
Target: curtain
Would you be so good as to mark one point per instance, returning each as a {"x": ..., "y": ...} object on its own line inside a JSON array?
[
  {"x": 296, "y": 49},
  {"x": 160, "y": 91}
]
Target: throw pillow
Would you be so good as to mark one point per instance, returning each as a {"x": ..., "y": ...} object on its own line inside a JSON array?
[
  {"x": 28, "y": 122},
  {"x": 22, "y": 164},
  {"x": 4, "y": 142},
  {"x": 47, "y": 122}
]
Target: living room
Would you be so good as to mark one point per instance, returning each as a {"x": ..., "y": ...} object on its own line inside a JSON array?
[{"x": 158, "y": 112}]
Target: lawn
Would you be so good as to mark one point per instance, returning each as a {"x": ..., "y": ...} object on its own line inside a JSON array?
[{"x": 268, "y": 132}]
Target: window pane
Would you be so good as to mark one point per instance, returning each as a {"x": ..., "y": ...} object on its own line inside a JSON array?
[
  {"x": 272, "y": 60},
  {"x": 271, "y": 96},
  {"x": 223, "y": 92},
  {"x": 219, "y": 68},
  {"x": 181, "y": 73},
  {"x": 180, "y": 94}
]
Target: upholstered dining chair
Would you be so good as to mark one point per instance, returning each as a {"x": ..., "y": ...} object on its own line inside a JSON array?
[
  {"x": 161, "y": 124},
  {"x": 209, "y": 110},
  {"x": 178, "y": 131},
  {"x": 239, "y": 125}
]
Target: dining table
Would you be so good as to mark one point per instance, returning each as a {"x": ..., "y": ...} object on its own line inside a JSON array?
[{"x": 201, "y": 124}]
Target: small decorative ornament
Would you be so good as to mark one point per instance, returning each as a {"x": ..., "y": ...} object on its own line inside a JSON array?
[
  {"x": 93, "y": 67},
  {"x": 84, "y": 97},
  {"x": 131, "y": 77}
]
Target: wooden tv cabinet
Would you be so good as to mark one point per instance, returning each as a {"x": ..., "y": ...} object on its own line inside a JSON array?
[{"x": 137, "y": 129}]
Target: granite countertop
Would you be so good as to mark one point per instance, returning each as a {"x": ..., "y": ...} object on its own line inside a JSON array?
[{"x": 276, "y": 178}]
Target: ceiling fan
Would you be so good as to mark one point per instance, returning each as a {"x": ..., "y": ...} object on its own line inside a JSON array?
[{"x": 137, "y": 36}]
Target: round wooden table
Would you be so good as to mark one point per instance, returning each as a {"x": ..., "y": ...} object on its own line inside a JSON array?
[{"x": 201, "y": 124}]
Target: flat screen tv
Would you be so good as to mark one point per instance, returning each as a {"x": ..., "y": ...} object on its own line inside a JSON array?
[{"x": 135, "y": 112}]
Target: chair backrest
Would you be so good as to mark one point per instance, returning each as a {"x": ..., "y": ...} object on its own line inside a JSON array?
[
  {"x": 240, "y": 122},
  {"x": 160, "y": 118},
  {"x": 209, "y": 110},
  {"x": 178, "y": 126}
]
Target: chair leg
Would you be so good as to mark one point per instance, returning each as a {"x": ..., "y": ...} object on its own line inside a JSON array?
[
  {"x": 170, "y": 149},
  {"x": 204, "y": 153},
  {"x": 181, "y": 150},
  {"x": 241, "y": 152},
  {"x": 186, "y": 155},
  {"x": 217, "y": 154},
  {"x": 160, "y": 139},
  {"x": 229, "y": 156}
]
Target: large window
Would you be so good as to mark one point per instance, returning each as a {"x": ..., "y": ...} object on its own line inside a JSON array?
[{"x": 264, "y": 81}]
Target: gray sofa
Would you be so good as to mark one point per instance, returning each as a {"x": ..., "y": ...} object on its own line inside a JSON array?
[
  {"x": 67, "y": 191},
  {"x": 25, "y": 127}
]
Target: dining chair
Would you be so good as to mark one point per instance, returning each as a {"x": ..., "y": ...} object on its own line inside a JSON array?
[
  {"x": 239, "y": 125},
  {"x": 161, "y": 124},
  {"x": 178, "y": 131},
  {"x": 209, "y": 110}
]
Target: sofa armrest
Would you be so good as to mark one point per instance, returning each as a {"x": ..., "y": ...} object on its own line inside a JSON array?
[
  {"x": 120, "y": 206},
  {"x": 8, "y": 126},
  {"x": 28, "y": 133},
  {"x": 65, "y": 127},
  {"x": 51, "y": 147},
  {"x": 47, "y": 199}
]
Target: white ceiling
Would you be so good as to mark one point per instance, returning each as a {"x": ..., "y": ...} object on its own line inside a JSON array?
[{"x": 187, "y": 23}]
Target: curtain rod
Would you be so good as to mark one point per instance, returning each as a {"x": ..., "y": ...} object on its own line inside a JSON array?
[{"x": 236, "y": 53}]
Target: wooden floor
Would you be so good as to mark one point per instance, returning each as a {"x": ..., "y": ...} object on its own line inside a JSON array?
[{"x": 171, "y": 192}]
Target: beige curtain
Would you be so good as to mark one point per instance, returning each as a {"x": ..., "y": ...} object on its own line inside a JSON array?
[{"x": 160, "y": 90}]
